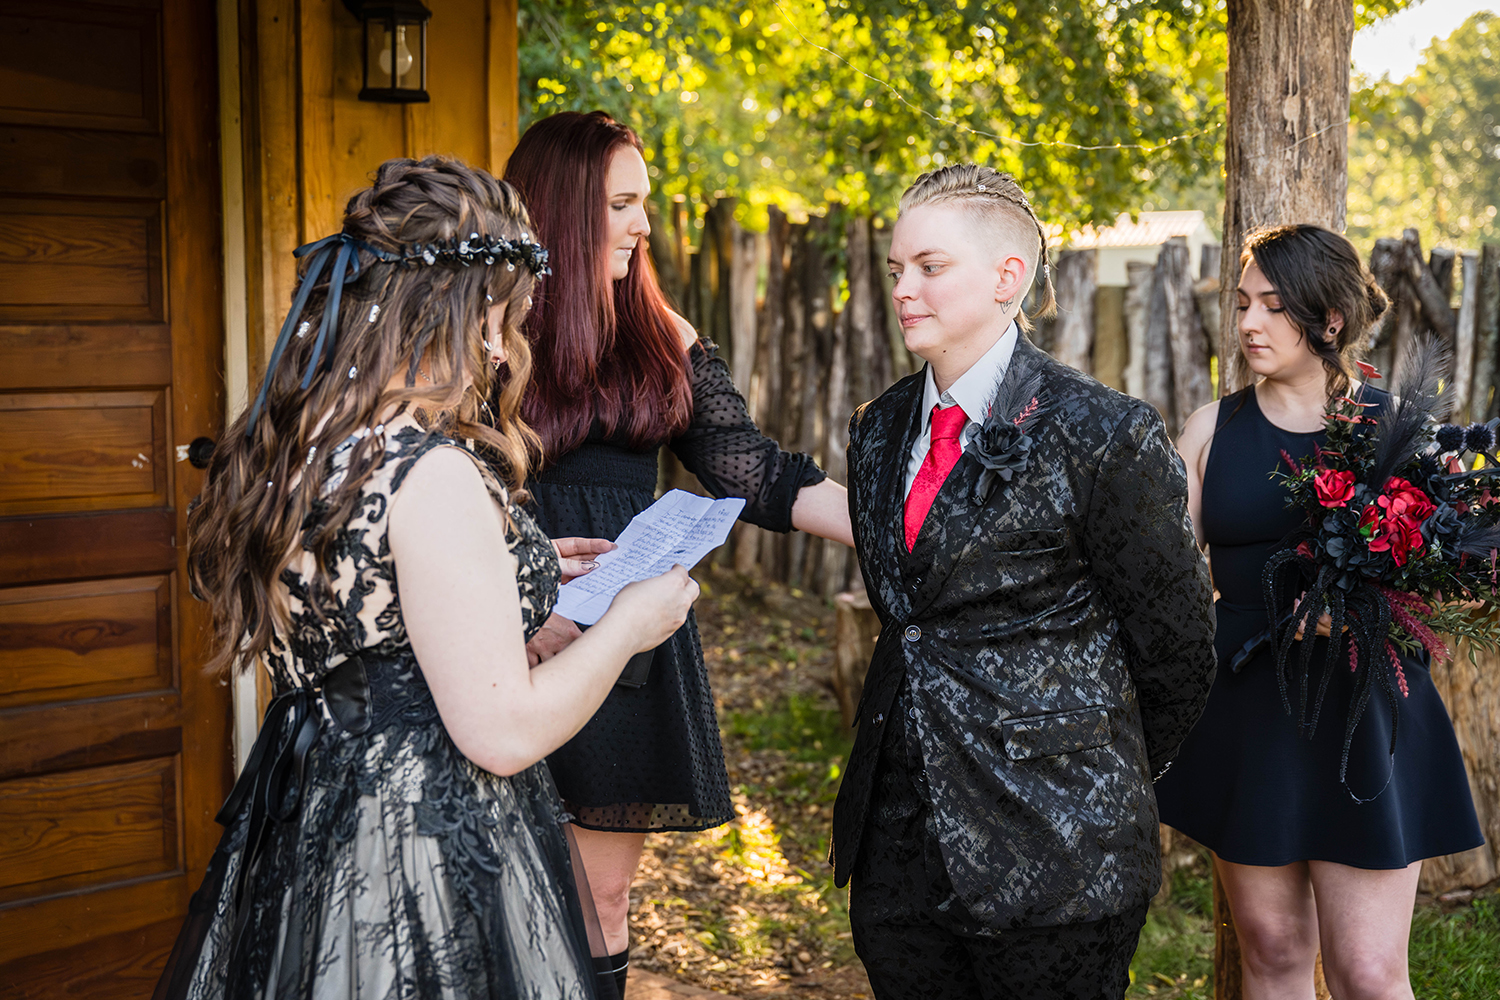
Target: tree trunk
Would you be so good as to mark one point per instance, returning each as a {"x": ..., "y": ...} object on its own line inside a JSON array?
[
  {"x": 1472, "y": 693},
  {"x": 1190, "y": 383},
  {"x": 1073, "y": 331},
  {"x": 1285, "y": 160},
  {"x": 1463, "y": 337},
  {"x": 1286, "y": 148},
  {"x": 1137, "y": 318}
]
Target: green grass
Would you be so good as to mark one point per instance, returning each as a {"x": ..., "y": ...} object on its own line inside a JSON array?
[
  {"x": 1453, "y": 955},
  {"x": 1175, "y": 958},
  {"x": 801, "y": 725},
  {"x": 1457, "y": 954}
]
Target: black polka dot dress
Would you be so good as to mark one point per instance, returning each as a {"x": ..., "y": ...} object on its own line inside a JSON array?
[{"x": 650, "y": 758}]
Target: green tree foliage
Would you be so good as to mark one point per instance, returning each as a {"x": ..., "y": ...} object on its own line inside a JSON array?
[
  {"x": 1425, "y": 151},
  {"x": 1092, "y": 103}
]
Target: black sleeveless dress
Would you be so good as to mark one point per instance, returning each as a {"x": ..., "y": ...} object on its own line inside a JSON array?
[
  {"x": 650, "y": 759},
  {"x": 1246, "y": 783}
]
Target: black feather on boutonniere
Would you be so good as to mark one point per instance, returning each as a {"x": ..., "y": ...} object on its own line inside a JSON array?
[{"x": 1003, "y": 446}]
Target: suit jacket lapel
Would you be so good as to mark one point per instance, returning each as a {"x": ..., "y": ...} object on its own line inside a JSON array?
[
  {"x": 953, "y": 524},
  {"x": 887, "y": 500}
]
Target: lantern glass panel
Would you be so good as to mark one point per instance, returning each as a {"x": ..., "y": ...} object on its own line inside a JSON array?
[{"x": 378, "y": 57}]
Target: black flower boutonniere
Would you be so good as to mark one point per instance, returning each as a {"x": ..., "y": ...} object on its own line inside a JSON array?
[{"x": 1003, "y": 446}]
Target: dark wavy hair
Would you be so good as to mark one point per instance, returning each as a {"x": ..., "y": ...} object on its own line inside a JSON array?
[
  {"x": 604, "y": 350},
  {"x": 1316, "y": 272},
  {"x": 248, "y": 524}
]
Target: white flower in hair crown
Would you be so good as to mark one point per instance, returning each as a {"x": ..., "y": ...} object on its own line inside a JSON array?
[{"x": 477, "y": 249}]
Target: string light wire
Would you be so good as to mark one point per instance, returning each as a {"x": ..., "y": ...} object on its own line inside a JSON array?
[{"x": 1144, "y": 147}]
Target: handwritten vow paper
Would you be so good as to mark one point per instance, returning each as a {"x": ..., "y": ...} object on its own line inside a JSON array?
[{"x": 681, "y": 527}]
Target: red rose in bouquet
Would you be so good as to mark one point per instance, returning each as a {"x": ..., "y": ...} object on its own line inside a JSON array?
[
  {"x": 1395, "y": 519},
  {"x": 1335, "y": 487}
]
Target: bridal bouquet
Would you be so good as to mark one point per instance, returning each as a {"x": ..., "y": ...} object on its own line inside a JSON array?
[{"x": 1400, "y": 545}]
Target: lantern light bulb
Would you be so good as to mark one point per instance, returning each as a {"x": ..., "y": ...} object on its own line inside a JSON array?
[{"x": 404, "y": 57}]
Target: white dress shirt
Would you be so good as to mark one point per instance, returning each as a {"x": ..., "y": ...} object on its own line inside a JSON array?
[{"x": 975, "y": 391}]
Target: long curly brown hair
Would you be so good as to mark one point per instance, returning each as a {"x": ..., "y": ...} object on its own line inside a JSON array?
[{"x": 248, "y": 525}]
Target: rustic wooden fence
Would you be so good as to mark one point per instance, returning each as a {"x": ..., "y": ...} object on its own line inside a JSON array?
[{"x": 801, "y": 313}]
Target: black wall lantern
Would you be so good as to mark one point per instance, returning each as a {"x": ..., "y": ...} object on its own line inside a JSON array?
[{"x": 395, "y": 49}]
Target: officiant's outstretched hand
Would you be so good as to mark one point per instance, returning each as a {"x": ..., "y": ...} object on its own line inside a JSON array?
[{"x": 1046, "y": 632}]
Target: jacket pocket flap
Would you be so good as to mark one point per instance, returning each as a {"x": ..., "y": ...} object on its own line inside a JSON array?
[{"x": 1056, "y": 733}]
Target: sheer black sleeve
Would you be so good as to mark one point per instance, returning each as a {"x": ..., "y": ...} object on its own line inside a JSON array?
[{"x": 728, "y": 453}]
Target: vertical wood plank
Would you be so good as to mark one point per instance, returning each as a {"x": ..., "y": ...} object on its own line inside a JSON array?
[
  {"x": 1158, "y": 346},
  {"x": 1463, "y": 337},
  {"x": 274, "y": 216},
  {"x": 1190, "y": 381},
  {"x": 1137, "y": 317},
  {"x": 1111, "y": 351},
  {"x": 1482, "y": 403},
  {"x": 195, "y": 291},
  {"x": 503, "y": 76},
  {"x": 1073, "y": 331},
  {"x": 315, "y": 143}
]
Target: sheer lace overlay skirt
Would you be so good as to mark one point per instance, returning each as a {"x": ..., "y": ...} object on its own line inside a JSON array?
[{"x": 408, "y": 873}]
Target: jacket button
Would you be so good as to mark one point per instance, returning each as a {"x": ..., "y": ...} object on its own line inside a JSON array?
[
  {"x": 912, "y": 711},
  {"x": 879, "y": 718},
  {"x": 913, "y": 633}
]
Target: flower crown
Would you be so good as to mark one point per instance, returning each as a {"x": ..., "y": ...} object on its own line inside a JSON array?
[{"x": 477, "y": 249}]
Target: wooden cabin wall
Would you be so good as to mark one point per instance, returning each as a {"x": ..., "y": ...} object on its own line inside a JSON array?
[{"x": 310, "y": 142}]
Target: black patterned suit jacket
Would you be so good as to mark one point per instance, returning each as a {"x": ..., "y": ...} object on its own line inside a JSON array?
[{"x": 1055, "y": 640}]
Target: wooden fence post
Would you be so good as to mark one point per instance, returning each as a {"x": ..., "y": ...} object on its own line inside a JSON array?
[
  {"x": 1137, "y": 317},
  {"x": 1190, "y": 382},
  {"x": 1463, "y": 336},
  {"x": 1399, "y": 325},
  {"x": 1158, "y": 387},
  {"x": 1429, "y": 296},
  {"x": 1486, "y": 333},
  {"x": 1073, "y": 331},
  {"x": 1111, "y": 349}
]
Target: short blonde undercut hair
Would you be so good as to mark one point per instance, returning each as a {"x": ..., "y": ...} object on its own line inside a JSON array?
[{"x": 996, "y": 202}]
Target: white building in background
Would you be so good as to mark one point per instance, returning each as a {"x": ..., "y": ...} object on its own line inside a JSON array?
[{"x": 1142, "y": 241}]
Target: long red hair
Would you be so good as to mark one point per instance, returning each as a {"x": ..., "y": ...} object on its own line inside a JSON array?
[{"x": 602, "y": 350}]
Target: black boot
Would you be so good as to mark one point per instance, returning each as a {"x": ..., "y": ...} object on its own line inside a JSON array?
[
  {"x": 622, "y": 969},
  {"x": 609, "y": 972}
]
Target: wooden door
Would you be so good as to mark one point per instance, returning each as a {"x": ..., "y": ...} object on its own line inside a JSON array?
[{"x": 114, "y": 747}]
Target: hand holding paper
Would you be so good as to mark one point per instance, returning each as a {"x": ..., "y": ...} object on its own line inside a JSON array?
[{"x": 680, "y": 528}]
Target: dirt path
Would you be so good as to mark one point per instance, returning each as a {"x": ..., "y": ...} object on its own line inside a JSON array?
[{"x": 750, "y": 908}]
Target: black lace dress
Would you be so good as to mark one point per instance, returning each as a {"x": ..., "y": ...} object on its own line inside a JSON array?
[
  {"x": 650, "y": 759},
  {"x": 384, "y": 863}
]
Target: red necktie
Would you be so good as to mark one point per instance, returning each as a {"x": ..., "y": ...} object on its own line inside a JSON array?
[{"x": 947, "y": 423}]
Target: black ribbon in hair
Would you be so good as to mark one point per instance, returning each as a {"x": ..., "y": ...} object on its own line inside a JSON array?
[{"x": 343, "y": 248}]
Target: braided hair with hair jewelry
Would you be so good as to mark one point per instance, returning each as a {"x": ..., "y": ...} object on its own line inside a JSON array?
[
  {"x": 405, "y": 288},
  {"x": 997, "y": 199}
]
